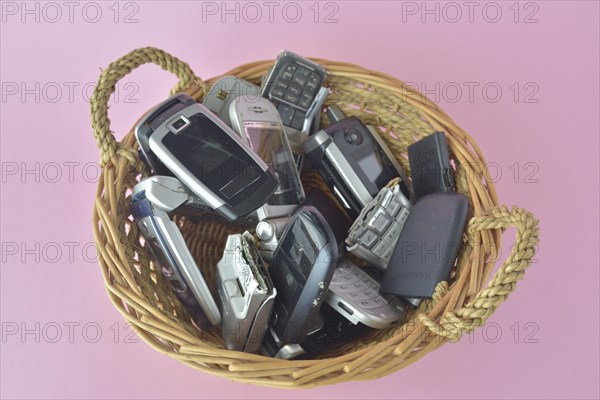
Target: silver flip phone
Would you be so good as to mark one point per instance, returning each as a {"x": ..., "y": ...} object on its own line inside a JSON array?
[
  {"x": 226, "y": 90},
  {"x": 246, "y": 293},
  {"x": 374, "y": 234},
  {"x": 355, "y": 295},
  {"x": 150, "y": 207},
  {"x": 259, "y": 124},
  {"x": 183, "y": 138},
  {"x": 353, "y": 160}
]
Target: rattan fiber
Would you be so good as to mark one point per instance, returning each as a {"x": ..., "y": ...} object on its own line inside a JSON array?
[{"x": 138, "y": 290}]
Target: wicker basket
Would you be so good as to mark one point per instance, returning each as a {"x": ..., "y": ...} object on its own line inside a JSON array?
[{"x": 139, "y": 292}]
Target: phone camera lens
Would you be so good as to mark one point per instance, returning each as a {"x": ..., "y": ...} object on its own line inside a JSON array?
[
  {"x": 353, "y": 136},
  {"x": 179, "y": 123}
]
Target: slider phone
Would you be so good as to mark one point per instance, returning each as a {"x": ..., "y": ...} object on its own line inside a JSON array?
[
  {"x": 259, "y": 125},
  {"x": 355, "y": 295},
  {"x": 428, "y": 245},
  {"x": 206, "y": 156},
  {"x": 353, "y": 160},
  {"x": 301, "y": 270},
  {"x": 170, "y": 251},
  {"x": 246, "y": 294},
  {"x": 225, "y": 91}
]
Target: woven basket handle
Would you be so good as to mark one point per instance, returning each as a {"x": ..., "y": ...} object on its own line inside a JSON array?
[
  {"x": 474, "y": 314},
  {"x": 109, "y": 148}
]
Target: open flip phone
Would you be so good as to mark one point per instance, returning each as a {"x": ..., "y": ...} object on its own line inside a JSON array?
[
  {"x": 183, "y": 138},
  {"x": 301, "y": 270},
  {"x": 150, "y": 207},
  {"x": 246, "y": 293},
  {"x": 353, "y": 160}
]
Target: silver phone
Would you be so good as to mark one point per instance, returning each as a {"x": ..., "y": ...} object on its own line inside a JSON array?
[
  {"x": 226, "y": 90},
  {"x": 259, "y": 124},
  {"x": 355, "y": 294},
  {"x": 247, "y": 294},
  {"x": 151, "y": 205},
  {"x": 374, "y": 234},
  {"x": 183, "y": 138}
]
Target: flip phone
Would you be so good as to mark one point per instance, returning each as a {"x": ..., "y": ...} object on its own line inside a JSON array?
[
  {"x": 170, "y": 251},
  {"x": 185, "y": 139}
]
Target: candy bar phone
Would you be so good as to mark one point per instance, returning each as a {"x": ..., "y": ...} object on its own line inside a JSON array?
[
  {"x": 430, "y": 168},
  {"x": 259, "y": 124},
  {"x": 206, "y": 155}
]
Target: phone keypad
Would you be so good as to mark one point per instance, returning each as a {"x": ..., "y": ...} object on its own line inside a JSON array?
[
  {"x": 295, "y": 87},
  {"x": 375, "y": 232},
  {"x": 359, "y": 291}
]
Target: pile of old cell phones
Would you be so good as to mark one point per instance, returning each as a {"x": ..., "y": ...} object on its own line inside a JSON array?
[{"x": 288, "y": 287}]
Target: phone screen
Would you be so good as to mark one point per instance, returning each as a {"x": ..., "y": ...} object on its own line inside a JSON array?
[
  {"x": 212, "y": 156},
  {"x": 371, "y": 165}
]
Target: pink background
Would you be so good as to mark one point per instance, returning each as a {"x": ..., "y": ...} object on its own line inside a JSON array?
[{"x": 548, "y": 342}]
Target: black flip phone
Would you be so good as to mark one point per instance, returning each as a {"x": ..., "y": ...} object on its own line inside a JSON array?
[{"x": 301, "y": 270}]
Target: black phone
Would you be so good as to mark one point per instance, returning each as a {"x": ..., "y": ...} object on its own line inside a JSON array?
[
  {"x": 301, "y": 270},
  {"x": 428, "y": 245},
  {"x": 293, "y": 84}
]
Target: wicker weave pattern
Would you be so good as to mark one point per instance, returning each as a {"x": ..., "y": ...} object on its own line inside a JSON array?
[{"x": 139, "y": 292}]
